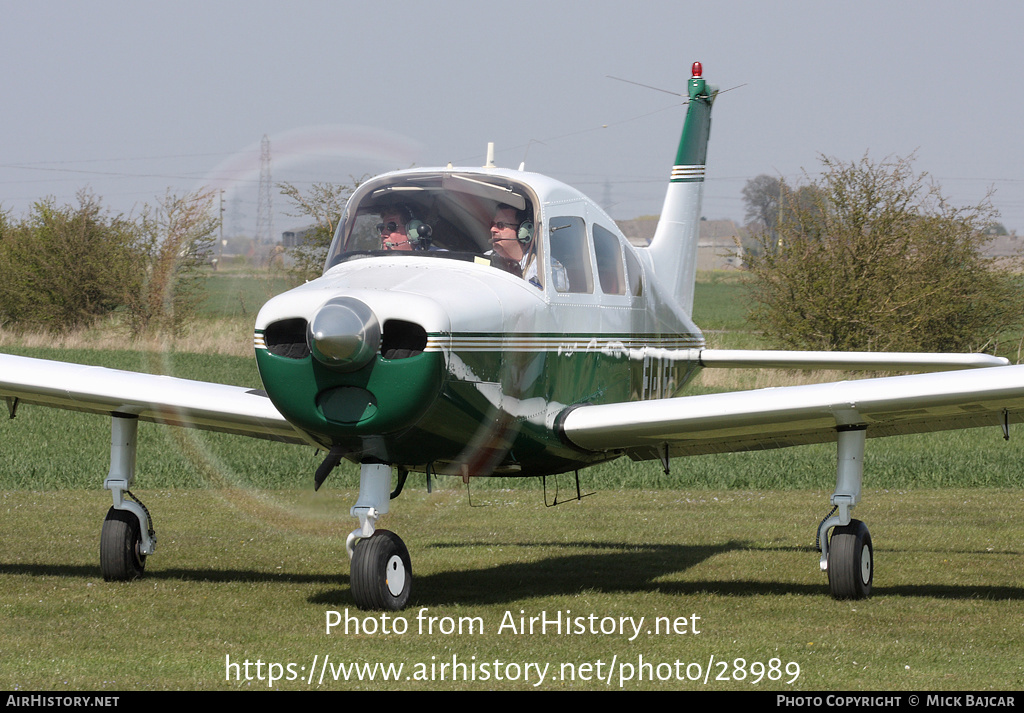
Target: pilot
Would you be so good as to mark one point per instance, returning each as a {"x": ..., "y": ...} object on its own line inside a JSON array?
[
  {"x": 511, "y": 239},
  {"x": 393, "y": 235},
  {"x": 400, "y": 231}
]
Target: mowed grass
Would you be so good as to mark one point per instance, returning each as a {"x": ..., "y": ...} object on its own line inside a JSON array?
[
  {"x": 252, "y": 576},
  {"x": 250, "y": 561}
]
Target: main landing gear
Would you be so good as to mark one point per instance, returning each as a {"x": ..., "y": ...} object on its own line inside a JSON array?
[
  {"x": 381, "y": 574},
  {"x": 847, "y": 556},
  {"x": 381, "y": 571},
  {"x": 127, "y": 537}
]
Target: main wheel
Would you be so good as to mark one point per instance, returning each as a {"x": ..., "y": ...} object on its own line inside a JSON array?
[
  {"x": 381, "y": 574},
  {"x": 851, "y": 565},
  {"x": 120, "y": 545}
]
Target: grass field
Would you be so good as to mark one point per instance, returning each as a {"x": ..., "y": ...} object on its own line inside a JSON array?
[
  {"x": 250, "y": 562},
  {"x": 252, "y": 577},
  {"x": 246, "y": 576}
]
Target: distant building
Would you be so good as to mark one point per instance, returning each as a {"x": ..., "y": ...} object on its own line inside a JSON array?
[
  {"x": 718, "y": 247},
  {"x": 1008, "y": 251},
  {"x": 1004, "y": 246},
  {"x": 291, "y": 238}
]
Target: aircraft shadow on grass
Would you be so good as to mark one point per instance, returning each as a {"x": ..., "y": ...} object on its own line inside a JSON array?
[
  {"x": 629, "y": 568},
  {"x": 597, "y": 567}
]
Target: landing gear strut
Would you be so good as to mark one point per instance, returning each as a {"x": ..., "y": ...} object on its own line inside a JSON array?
[
  {"x": 847, "y": 556},
  {"x": 381, "y": 571},
  {"x": 127, "y": 536}
]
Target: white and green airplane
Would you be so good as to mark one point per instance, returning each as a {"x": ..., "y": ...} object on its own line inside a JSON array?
[{"x": 486, "y": 321}]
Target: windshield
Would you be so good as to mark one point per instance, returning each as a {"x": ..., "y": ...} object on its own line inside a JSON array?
[{"x": 472, "y": 217}]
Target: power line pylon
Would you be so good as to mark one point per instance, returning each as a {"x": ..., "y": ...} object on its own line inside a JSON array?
[{"x": 264, "y": 205}]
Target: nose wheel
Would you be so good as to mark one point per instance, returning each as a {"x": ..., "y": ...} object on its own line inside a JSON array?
[{"x": 381, "y": 573}]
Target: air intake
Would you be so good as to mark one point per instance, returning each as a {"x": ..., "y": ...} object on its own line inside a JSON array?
[
  {"x": 287, "y": 338},
  {"x": 402, "y": 339}
]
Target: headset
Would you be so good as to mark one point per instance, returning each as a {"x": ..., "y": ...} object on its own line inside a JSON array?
[
  {"x": 525, "y": 234},
  {"x": 418, "y": 233}
]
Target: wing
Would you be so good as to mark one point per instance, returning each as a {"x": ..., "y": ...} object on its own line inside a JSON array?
[
  {"x": 163, "y": 399},
  {"x": 846, "y": 361},
  {"x": 798, "y": 415}
]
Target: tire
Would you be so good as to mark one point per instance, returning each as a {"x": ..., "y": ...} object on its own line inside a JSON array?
[
  {"x": 851, "y": 561},
  {"x": 381, "y": 574},
  {"x": 120, "y": 542}
]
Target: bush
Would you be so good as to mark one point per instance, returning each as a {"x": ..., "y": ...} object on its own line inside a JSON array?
[
  {"x": 63, "y": 267},
  {"x": 174, "y": 240},
  {"x": 66, "y": 267},
  {"x": 870, "y": 257},
  {"x": 323, "y": 204}
]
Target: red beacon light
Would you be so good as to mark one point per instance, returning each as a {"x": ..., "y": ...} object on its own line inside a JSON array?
[{"x": 698, "y": 70}]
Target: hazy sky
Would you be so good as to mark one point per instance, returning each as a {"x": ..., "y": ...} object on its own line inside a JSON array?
[{"x": 132, "y": 98}]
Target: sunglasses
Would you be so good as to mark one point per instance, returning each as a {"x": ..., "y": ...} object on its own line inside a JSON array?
[
  {"x": 387, "y": 228},
  {"x": 501, "y": 226}
]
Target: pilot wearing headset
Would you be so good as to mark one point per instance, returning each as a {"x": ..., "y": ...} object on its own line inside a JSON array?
[
  {"x": 400, "y": 231},
  {"x": 512, "y": 238}
]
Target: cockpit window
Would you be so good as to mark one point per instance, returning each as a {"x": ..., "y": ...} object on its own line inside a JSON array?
[{"x": 446, "y": 215}]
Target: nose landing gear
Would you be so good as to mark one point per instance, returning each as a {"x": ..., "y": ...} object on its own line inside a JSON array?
[{"x": 381, "y": 570}]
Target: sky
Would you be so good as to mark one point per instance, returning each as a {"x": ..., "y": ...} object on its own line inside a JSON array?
[{"x": 132, "y": 100}]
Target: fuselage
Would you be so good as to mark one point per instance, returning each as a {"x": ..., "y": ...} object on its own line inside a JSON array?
[{"x": 474, "y": 362}]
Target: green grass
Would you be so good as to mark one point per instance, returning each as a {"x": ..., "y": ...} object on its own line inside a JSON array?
[
  {"x": 253, "y": 576},
  {"x": 720, "y": 301},
  {"x": 241, "y": 294}
]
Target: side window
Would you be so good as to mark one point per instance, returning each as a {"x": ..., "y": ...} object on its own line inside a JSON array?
[
  {"x": 570, "y": 255},
  {"x": 636, "y": 282},
  {"x": 609, "y": 262}
]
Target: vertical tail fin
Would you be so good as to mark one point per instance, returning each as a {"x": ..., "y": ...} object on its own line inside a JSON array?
[{"x": 674, "y": 246}]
